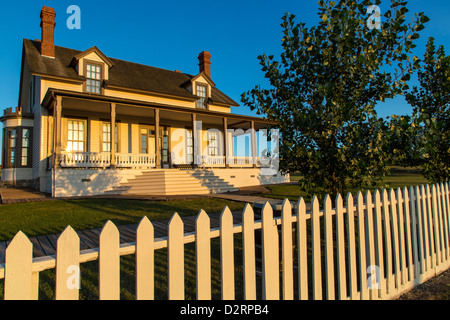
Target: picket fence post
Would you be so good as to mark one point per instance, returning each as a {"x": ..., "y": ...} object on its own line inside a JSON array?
[
  {"x": 203, "y": 256},
  {"x": 287, "y": 254},
  {"x": 316, "y": 250},
  {"x": 302, "y": 250},
  {"x": 18, "y": 268},
  {"x": 248, "y": 252},
  {"x": 175, "y": 264},
  {"x": 270, "y": 255},
  {"x": 342, "y": 281},
  {"x": 362, "y": 246},
  {"x": 109, "y": 262},
  {"x": 68, "y": 265},
  {"x": 352, "y": 274},
  {"x": 227, "y": 255},
  {"x": 395, "y": 243},
  {"x": 329, "y": 256},
  {"x": 145, "y": 260}
]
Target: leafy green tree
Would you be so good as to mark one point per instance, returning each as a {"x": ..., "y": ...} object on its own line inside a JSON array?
[
  {"x": 324, "y": 90},
  {"x": 404, "y": 141},
  {"x": 431, "y": 112}
]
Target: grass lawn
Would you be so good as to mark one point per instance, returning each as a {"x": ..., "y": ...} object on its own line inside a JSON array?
[
  {"x": 394, "y": 180},
  {"x": 48, "y": 217},
  {"x": 53, "y": 216}
]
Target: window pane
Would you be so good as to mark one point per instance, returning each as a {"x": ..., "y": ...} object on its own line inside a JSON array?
[
  {"x": 12, "y": 139},
  {"x": 24, "y": 157}
]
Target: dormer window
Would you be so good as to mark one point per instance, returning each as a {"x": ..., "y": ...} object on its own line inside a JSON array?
[
  {"x": 93, "y": 78},
  {"x": 201, "y": 92}
]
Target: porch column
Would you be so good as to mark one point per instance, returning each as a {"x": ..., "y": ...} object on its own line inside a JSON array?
[
  {"x": 194, "y": 141},
  {"x": 225, "y": 141},
  {"x": 157, "y": 144},
  {"x": 113, "y": 136},
  {"x": 57, "y": 132},
  {"x": 253, "y": 133}
]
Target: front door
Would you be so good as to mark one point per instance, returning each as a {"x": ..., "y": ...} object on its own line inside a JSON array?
[
  {"x": 164, "y": 146},
  {"x": 147, "y": 140}
]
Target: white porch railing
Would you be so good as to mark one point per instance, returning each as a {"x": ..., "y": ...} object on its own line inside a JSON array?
[
  {"x": 85, "y": 159},
  {"x": 240, "y": 161},
  {"x": 125, "y": 160},
  {"x": 135, "y": 160},
  {"x": 103, "y": 159},
  {"x": 213, "y": 161},
  {"x": 219, "y": 161}
]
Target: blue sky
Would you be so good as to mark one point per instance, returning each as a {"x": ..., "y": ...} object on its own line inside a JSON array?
[{"x": 171, "y": 34}]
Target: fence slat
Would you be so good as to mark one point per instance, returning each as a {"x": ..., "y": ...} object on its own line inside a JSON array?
[
  {"x": 378, "y": 230},
  {"x": 352, "y": 274},
  {"x": 109, "y": 262},
  {"x": 316, "y": 250},
  {"x": 248, "y": 251},
  {"x": 362, "y": 246},
  {"x": 395, "y": 242},
  {"x": 409, "y": 244},
  {"x": 419, "y": 233},
  {"x": 18, "y": 268},
  {"x": 370, "y": 245},
  {"x": 203, "y": 255},
  {"x": 270, "y": 262},
  {"x": 437, "y": 233},
  {"x": 145, "y": 258},
  {"x": 329, "y": 249},
  {"x": 430, "y": 219},
  {"x": 387, "y": 244},
  {"x": 446, "y": 200},
  {"x": 425, "y": 238},
  {"x": 302, "y": 250},
  {"x": 227, "y": 254},
  {"x": 341, "y": 272},
  {"x": 175, "y": 264},
  {"x": 445, "y": 223},
  {"x": 441, "y": 204},
  {"x": 401, "y": 230},
  {"x": 287, "y": 260},
  {"x": 67, "y": 265}
]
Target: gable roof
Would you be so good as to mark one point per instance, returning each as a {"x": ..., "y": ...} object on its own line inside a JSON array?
[
  {"x": 96, "y": 51},
  {"x": 123, "y": 74}
]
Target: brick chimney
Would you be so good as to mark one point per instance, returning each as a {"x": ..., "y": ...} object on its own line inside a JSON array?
[
  {"x": 205, "y": 63},
  {"x": 47, "y": 29}
]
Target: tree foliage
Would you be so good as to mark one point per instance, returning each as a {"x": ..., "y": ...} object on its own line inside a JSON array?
[
  {"x": 431, "y": 113},
  {"x": 324, "y": 89}
]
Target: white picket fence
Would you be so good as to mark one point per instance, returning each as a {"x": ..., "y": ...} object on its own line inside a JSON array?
[{"x": 374, "y": 247}]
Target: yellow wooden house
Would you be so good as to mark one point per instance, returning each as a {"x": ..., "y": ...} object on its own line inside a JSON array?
[{"x": 88, "y": 124}]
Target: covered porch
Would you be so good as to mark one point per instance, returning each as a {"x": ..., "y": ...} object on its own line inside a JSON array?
[{"x": 93, "y": 131}]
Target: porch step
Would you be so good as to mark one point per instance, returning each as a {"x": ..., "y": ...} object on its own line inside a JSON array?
[{"x": 173, "y": 182}]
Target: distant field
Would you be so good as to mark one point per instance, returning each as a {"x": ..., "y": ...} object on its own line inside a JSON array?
[{"x": 396, "y": 179}]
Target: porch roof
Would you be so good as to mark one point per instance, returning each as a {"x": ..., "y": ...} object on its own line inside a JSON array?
[{"x": 52, "y": 93}]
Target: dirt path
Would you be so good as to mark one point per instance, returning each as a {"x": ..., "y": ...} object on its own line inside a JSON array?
[{"x": 437, "y": 288}]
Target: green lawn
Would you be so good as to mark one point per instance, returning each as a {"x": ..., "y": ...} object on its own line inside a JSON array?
[
  {"x": 53, "y": 216},
  {"x": 394, "y": 180},
  {"x": 48, "y": 217}
]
